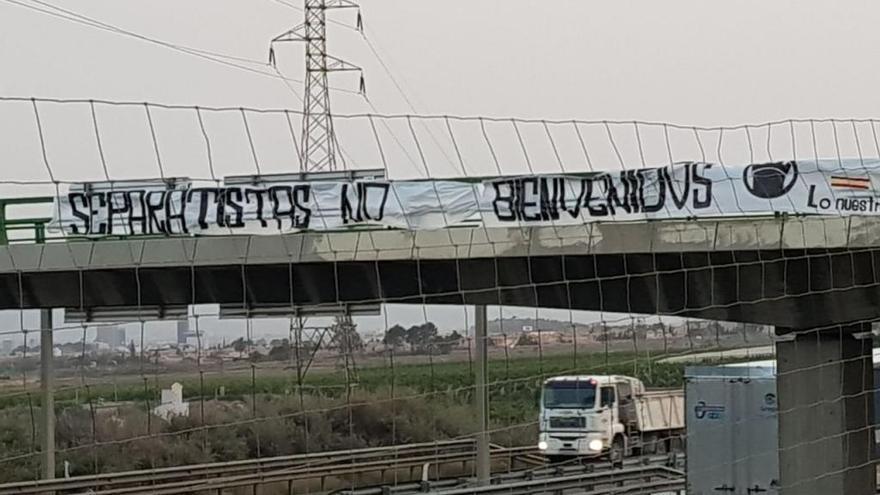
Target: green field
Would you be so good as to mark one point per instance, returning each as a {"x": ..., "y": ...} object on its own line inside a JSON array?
[
  {"x": 263, "y": 412},
  {"x": 451, "y": 378}
]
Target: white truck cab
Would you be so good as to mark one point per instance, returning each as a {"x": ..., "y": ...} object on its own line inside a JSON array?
[{"x": 594, "y": 415}]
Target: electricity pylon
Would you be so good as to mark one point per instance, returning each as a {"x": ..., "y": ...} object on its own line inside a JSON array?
[{"x": 319, "y": 147}]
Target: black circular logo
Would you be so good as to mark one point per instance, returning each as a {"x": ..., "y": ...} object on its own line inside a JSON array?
[
  {"x": 770, "y": 400},
  {"x": 770, "y": 180}
]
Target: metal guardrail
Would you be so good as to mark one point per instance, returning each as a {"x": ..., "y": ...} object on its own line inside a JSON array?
[
  {"x": 224, "y": 475},
  {"x": 638, "y": 476},
  {"x": 415, "y": 458},
  {"x": 630, "y": 481},
  {"x": 340, "y": 470},
  {"x": 248, "y": 466}
]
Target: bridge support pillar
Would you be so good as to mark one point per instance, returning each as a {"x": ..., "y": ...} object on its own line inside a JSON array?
[
  {"x": 481, "y": 396},
  {"x": 825, "y": 400},
  {"x": 47, "y": 389}
]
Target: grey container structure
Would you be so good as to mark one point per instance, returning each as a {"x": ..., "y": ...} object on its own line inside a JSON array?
[
  {"x": 731, "y": 420},
  {"x": 732, "y": 428}
]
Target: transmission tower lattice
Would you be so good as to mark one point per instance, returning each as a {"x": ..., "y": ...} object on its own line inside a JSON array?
[{"x": 319, "y": 147}]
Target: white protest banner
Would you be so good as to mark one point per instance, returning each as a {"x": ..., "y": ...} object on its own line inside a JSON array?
[{"x": 680, "y": 191}]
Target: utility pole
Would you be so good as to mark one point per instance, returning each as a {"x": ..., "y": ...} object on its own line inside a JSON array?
[
  {"x": 47, "y": 389},
  {"x": 319, "y": 148},
  {"x": 481, "y": 397}
]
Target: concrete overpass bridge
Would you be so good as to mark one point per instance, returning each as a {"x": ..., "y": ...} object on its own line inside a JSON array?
[
  {"x": 816, "y": 278},
  {"x": 810, "y": 269},
  {"x": 791, "y": 272}
]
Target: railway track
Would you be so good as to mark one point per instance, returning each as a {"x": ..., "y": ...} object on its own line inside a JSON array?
[{"x": 221, "y": 476}]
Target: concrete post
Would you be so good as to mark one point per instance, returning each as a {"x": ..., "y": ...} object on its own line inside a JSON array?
[
  {"x": 481, "y": 397},
  {"x": 47, "y": 377},
  {"x": 826, "y": 414}
]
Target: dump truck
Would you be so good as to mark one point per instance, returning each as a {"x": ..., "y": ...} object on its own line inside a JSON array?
[{"x": 608, "y": 415}]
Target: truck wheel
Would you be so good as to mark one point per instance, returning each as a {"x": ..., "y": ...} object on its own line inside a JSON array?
[{"x": 617, "y": 452}]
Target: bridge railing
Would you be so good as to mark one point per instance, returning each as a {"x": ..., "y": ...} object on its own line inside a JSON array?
[
  {"x": 25, "y": 220},
  {"x": 23, "y": 226}
]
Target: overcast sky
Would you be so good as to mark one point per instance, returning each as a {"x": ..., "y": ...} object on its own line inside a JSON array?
[
  {"x": 682, "y": 61},
  {"x": 685, "y": 61}
]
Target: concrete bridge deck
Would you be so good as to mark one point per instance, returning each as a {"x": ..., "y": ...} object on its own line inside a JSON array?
[{"x": 786, "y": 271}]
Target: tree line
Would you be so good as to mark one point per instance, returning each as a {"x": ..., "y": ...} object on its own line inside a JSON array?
[{"x": 421, "y": 339}]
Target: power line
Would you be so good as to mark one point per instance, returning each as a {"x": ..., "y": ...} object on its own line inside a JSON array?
[
  {"x": 86, "y": 21},
  {"x": 390, "y": 74},
  {"x": 230, "y": 61},
  {"x": 300, "y": 9},
  {"x": 119, "y": 30},
  {"x": 403, "y": 94},
  {"x": 287, "y": 83}
]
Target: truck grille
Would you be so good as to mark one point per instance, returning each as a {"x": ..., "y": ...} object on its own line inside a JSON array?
[{"x": 571, "y": 422}]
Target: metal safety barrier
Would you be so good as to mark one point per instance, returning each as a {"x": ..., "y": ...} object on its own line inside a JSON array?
[
  {"x": 637, "y": 477},
  {"x": 224, "y": 475},
  {"x": 340, "y": 470},
  {"x": 200, "y": 472}
]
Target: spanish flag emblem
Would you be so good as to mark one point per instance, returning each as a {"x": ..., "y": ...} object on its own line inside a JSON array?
[{"x": 850, "y": 182}]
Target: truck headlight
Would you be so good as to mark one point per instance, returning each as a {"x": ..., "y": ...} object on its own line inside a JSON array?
[
  {"x": 595, "y": 445},
  {"x": 542, "y": 445}
]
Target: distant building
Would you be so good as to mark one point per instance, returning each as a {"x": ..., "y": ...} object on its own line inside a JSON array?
[
  {"x": 113, "y": 336},
  {"x": 184, "y": 333},
  {"x": 172, "y": 403},
  {"x": 7, "y": 347}
]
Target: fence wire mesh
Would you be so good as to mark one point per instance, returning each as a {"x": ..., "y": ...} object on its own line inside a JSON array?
[{"x": 319, "y": 361}]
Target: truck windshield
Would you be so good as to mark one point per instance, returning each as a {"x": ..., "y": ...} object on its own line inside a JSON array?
[{"x": 569, "y": 394}]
